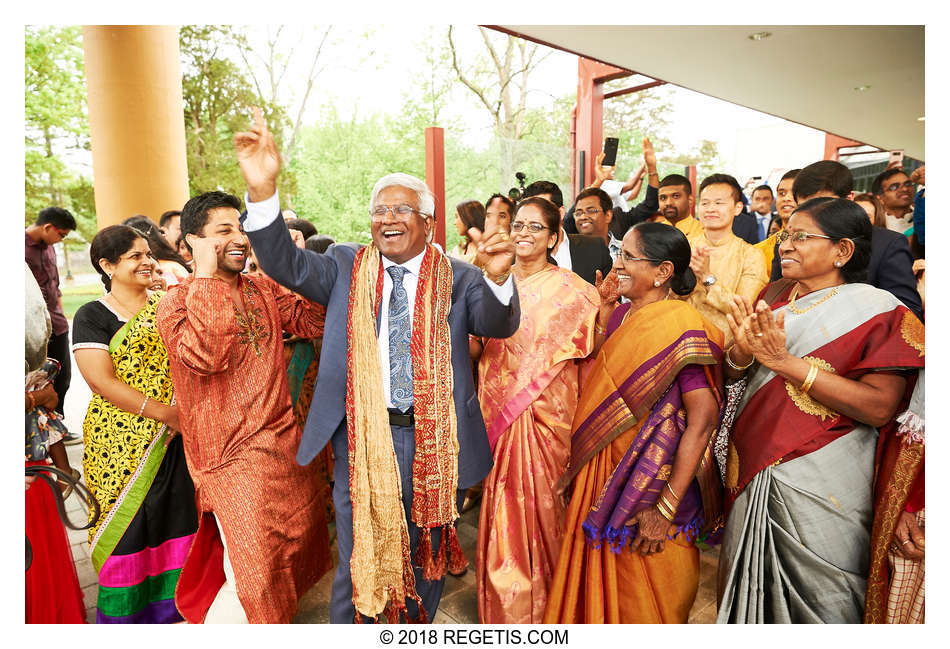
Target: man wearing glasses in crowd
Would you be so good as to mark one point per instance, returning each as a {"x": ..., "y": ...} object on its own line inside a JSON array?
[
  {"x": 896, "y": 191},
  {"x": 593, "y": 212}
]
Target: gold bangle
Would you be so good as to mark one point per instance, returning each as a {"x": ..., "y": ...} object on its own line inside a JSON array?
[
  {"x": 672, "y": 493},
  {"x": 809, "y": 380},
  {"x": 668, "y": 504},
  {"x": 497, "y": 279},
  {"x": 665, "y": 514},
  {"x": 738, "y": 368},
  {"x": 601, "y": 330}
]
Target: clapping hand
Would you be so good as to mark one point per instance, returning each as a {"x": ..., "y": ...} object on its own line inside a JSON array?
[
  {"x": 496, "y": 251},
  {"x": 258, "y": 158},
  {"x": 757, "y": 332},
  {"x": 699, "y": 262}
]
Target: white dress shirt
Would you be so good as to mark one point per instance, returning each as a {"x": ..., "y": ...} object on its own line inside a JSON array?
[
  {"x": 262, "y": 214},
  {"x": 563, "y": 253}
]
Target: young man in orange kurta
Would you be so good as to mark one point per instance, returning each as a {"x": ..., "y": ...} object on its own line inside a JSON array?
[{"x": 223, "y": 332}]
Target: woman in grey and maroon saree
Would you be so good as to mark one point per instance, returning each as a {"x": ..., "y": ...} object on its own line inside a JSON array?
[{"x": 829, "y": 363}]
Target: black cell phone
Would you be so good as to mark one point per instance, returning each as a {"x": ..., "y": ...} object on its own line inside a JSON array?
[{"x": 610, "y": 151}]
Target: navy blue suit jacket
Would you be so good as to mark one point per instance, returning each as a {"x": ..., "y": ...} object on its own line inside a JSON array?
[{"x": 325, "y": 279}]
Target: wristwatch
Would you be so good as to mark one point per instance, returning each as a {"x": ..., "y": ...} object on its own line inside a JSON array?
[{"x": 709, "y": 280}]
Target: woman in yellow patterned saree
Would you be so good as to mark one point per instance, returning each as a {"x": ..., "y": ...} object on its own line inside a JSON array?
[
  {"x": 133, "y": 459},
  {"x": 527, "y": 387}
]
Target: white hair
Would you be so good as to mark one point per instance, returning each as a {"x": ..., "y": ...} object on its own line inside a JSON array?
[{"x": 425, "y": 197}]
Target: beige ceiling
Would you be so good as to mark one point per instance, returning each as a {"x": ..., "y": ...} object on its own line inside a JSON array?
[{"x": 805, "y": 74}]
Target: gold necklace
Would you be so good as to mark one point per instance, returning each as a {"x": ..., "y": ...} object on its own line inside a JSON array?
[
  {"x": 791, "y": 301},
  {"x": 124, "y": 307}
]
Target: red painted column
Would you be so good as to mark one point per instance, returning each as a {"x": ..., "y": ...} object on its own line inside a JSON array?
[
  {"x": 435, "y": 178},
  {"x": 835, "y": 142},
  {"x": 588, "y": 135}
]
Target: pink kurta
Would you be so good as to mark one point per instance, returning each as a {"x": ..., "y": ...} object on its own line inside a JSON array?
[
  {"x": 528, "y": 388},
  {"x": 240, "y": 439}
]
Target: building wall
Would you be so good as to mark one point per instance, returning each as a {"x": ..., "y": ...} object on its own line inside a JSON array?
[{"x": 769, "y": 151}]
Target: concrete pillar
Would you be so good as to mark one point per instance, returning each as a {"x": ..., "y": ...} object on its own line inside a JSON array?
[{"x": 136, "y": 122}]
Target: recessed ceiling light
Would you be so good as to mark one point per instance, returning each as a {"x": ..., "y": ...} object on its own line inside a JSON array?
[
  {"x": 920, "y": 119},
  {"x": 862, "y": 88},
  {"x": 758, "y": 36}
]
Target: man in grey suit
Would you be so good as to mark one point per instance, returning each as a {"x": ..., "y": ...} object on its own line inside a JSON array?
[{"x": 482, "y": 303}]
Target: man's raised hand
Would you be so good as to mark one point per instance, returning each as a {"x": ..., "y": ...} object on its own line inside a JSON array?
[
  {"x": 496, "y": 250},
  {"x": 258, "y": 158},
  {"x": 649, "y": 157}
]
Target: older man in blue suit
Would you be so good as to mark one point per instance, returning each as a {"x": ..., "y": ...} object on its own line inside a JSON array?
[{"x": 395, "y": 394}]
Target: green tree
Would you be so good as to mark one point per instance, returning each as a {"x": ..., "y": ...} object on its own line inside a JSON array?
[
  {"x": 218, "y": 95},
  {"x": 55, "y": 112}
]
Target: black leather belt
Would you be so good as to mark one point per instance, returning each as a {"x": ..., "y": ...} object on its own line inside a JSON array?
[{"x": 397, "y": 418}]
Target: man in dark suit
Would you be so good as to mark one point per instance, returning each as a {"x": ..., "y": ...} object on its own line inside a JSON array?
[
  {"x": 583, "y": 254},
  {"x": 745, "y": 227},
  {"x": 761, "y": 210},
  {"x": 891, "y": 267},
  {"x": 483, "y": 303}
]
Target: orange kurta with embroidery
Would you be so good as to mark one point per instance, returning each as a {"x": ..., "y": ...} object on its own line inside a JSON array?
[{"x": 240, "y": 440}]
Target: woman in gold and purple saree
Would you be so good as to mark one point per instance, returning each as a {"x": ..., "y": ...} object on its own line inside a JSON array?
[
  {"x": 528, "y": 386},
  {"x": 829, "y": 362},
  {"x": 645, "y": 485}
]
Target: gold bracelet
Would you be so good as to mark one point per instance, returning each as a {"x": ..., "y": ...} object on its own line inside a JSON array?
[
  {"x": 497, "y": 279},
  {"x": 665, "y": 514},
  {"x": 809, "y": 380},
  {"x": 667, "y": 503},
  {"x": 672, "y": 493},
  {"x": 738, "y": 368},
  {"x": 601, "y": 330},
  {"x": 142, "y": 409}
]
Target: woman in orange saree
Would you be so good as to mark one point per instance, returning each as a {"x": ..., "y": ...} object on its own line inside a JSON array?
[
  {"x": 528, "y": 387},
  {"x": 644, "y": 479}
]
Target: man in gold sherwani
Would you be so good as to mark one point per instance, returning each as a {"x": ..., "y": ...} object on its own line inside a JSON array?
[{"x": 724, "y": 264}]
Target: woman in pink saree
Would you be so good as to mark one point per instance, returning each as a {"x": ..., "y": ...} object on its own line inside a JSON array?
[{"x": 528, "y": 389}]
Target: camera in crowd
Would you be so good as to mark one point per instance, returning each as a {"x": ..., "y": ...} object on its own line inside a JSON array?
[{"x": 515, "y": 193}]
